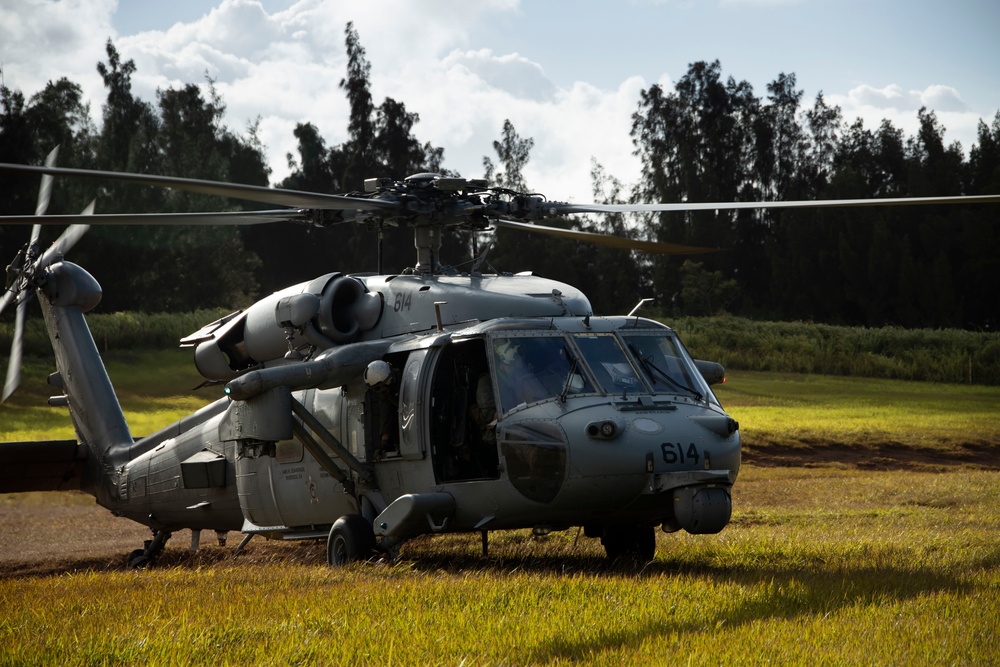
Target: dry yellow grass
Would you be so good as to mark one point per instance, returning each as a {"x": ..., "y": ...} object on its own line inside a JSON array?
[{"x": 819, "y": 566}]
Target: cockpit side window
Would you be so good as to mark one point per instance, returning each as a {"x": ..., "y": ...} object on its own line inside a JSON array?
[
  {"x": 609, "y": 363},
  {"x": 535, "y": 368}
]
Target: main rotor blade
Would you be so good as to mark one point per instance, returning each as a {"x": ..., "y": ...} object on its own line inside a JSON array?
[
  {"x": 210, "y": 218},
  {"x": 559, "y": 207},
  {"x": 266, "y": 195},
  {"x": 607, "y": 239},
  {"x": 16, "y": 349}
]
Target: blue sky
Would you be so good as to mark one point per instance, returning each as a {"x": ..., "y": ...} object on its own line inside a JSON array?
[{"x": 568, "y": 74}]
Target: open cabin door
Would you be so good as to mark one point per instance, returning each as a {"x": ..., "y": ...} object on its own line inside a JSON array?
[
  {"x": 411, "y": 406},
  {"x": 463, "y": 414}
]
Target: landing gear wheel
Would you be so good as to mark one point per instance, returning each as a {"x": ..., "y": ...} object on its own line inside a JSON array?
[
  {"x": 635, "y": 543},
  {"x": 351, "y": 538},
  {"x": 136, "y": 559},
  {"x": 150, "y": 551}
]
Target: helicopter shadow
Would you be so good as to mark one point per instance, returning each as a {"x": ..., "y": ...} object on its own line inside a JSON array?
[{"x": 770, "y": 592}]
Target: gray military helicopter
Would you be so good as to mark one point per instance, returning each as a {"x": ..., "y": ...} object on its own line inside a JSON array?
[{"x": 371, "y": 409}]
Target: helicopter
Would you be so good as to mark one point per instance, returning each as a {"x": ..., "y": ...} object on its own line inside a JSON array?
[{"x": 369, "y": 409}]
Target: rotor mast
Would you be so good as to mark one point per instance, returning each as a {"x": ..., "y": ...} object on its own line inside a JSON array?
[{"x": 427, "y": 240}]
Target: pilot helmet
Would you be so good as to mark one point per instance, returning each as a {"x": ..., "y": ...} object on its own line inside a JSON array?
[
  {"x": 378, "y": 373},
  {"x": 506, "y": 351}
]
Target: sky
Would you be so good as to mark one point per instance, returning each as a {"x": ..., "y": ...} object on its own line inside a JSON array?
[{"x": 566, "y": 73}]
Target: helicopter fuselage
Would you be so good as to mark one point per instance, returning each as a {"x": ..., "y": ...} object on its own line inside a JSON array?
[
  {"x": 599, "y": 438},
  {"x": 509, "y": 406}
]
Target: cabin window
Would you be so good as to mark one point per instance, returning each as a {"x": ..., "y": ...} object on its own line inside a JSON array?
[
  {"x": 410, "y": 404},
  {"x": 536, "y": 456},
  {"x": 288, "y": 451}
]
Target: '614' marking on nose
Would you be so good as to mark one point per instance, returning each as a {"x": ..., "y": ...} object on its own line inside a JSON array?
[{"x": 674, "y": 452}]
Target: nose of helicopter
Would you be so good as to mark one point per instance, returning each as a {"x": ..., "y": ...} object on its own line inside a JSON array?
[
  {"x": 670, "y": 463},
  {"x": 669, "y": 439}
]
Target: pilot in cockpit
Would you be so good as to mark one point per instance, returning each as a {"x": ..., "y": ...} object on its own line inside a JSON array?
[{"x": 516, "y": 379}]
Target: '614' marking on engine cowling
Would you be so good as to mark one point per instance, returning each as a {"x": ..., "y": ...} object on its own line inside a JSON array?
[
  {"x": 674, "y": 452},
  {"x": 402, "y": 301}
]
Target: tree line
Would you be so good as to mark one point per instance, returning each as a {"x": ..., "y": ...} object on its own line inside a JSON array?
[{"x": 709, "y": 139}]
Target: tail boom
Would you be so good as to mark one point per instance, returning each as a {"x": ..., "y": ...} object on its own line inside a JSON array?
[{"x": 67, "y": 294}]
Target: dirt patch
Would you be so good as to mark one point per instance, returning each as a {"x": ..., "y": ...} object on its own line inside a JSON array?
[
  {"x": 54, "y": 533},
  {"x": 884, "y": 456}
]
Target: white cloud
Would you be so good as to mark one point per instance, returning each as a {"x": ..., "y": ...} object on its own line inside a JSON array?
[
  {"x": 936, "y": 97},
  {"x": 285, "y": 67},
  {"x": 943, "y": 99},
  {"x": 873, "y": 105},
  {"x": 42, "y": 41},
  {"x": 511, "y": 73},
  {"x": 889, "y": 97}
]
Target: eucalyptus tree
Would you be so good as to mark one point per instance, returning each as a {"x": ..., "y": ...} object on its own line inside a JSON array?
[{"x": 696, "y": 144}]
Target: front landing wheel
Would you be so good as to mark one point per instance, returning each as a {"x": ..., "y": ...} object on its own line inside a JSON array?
[
  {"x": 636, "y": 543},
  {"x": 351, "y": 538}
]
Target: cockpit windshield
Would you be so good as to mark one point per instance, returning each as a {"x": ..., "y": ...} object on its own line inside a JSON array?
[
  {"x": 533, "y": 367},
  {"x": 608, "y": 361},
  {"x": 666, "y": 366}
]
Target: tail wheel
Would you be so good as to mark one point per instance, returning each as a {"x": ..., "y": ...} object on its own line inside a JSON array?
[
  {"x": 351, "y": 538},
  {"x": 636, "y": 543},
  {"x": 150, "y": 551}
]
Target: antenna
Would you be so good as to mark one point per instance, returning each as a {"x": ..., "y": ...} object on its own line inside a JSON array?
[
  {"x": 638, "y": 306},
  {"x": 437, "y": 314}
]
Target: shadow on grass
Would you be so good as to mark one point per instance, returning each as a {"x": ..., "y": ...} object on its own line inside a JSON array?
[
  {"x": 775, "y": 586},
  {"x": 765, "y": 593}
]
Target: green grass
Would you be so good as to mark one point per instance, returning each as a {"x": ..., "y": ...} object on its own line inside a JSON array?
[
  {"x": 786, "y": 409},
  {"x": 797, "y": 409},
  {"x": 116, "y": 331},
  {"x": 155, "y": 388},
  {"x": 818, "y": 567},
  {"x": 935, "y": 355},
  {"x": 828, "y": 565}
]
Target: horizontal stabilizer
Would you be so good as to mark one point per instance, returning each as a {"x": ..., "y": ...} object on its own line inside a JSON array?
[{"x": 41, "y": 465}]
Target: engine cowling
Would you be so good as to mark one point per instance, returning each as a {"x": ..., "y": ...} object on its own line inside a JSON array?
[{"x": 290, "y": 324}]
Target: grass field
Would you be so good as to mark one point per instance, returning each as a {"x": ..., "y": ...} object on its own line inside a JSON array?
[
  {"x": 853, "y": 555},
  {"x": 819, "y": 566},
  {"x": 155, "y": 388},
  {"x": 801, "y": 410},
  {"x": 774, "y": 409}
]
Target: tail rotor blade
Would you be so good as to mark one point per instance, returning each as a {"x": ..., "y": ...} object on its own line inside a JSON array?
[
  {"x": 21, "y": 284},
  {"x": 45, "y": 191},
  {"x": 44, "y": 194},
  {"x": 16, "y": 351},
  {"x": 6, "y": 300},
  {"x": 67, "y": 239}
]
